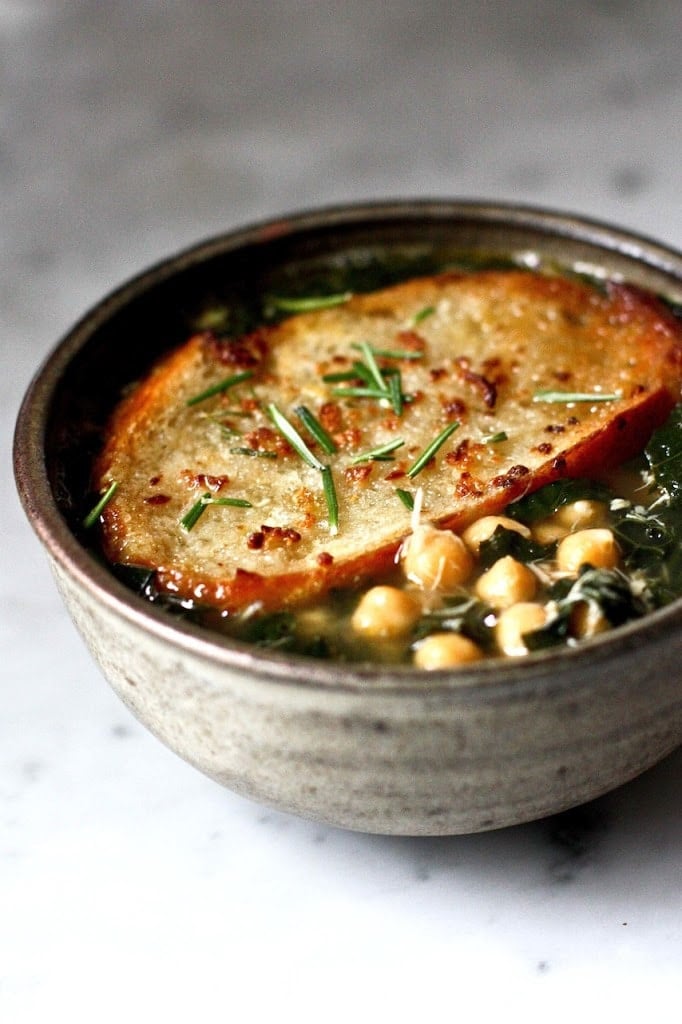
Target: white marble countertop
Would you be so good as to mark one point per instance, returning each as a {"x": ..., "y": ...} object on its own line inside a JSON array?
[{"x": 130, "y": 886}]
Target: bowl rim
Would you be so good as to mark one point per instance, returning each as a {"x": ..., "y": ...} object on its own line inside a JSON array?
[{"x": 486, "y": 681}]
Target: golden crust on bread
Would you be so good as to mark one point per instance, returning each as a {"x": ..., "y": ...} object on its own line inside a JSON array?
[{"x": 482, "y": 347}]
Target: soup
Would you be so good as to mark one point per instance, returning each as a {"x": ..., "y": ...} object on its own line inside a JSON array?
[{"x": 427, "y": 473}]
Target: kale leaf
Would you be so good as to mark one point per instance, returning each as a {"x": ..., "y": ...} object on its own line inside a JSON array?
[
  {"x": 609, "y": 591},
  {"x": 545, "y": 502},
  {"x": 650, "y": 536},
  {"x": 664, "y": 455},
  {"x": 506, "y": 542},
  {"x": 466, "y": 615}
]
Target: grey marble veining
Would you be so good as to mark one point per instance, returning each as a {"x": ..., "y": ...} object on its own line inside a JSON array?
[{"x": 129, "y": 130}]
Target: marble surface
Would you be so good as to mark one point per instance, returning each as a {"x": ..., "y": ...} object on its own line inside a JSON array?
[{"x": 129, "y": 884}]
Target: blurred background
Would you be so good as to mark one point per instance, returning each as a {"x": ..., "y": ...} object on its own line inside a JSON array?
[{"x": 134, "y": 128}]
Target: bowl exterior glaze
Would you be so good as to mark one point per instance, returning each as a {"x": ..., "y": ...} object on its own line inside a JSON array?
[
  {"x": 397, "y": 752},
  {"x": 379, "y": 758}
]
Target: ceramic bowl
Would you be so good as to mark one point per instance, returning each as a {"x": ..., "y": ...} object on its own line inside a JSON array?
[{"x": 382, "y": 750}]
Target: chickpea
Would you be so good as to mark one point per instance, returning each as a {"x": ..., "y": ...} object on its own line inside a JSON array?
[
  {"x": 436, "y": 559},
  {"x": 446, "y": 650},
  {"x": 484, "y": 528},
  {"x": 386, "y": 612},
  {"x": 513, "y": 623},
  {"x": 548, "y": 530},
  {"x": 577, "y": 515},
  {"x": 506, "y": 583},
  {"x": 596, "y": 547},
  {"x": 587, "y": 620},
  {"x": 581, "y": 515}
]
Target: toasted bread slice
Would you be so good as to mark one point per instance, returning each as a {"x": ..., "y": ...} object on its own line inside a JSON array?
[{"x": 477, "y": 349}]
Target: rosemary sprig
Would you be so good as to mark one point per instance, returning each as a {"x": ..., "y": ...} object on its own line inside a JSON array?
[
  {"x": 573, "y": 396},
  {"x": 223, "y": 427},
  {"x": 194, "y": 514},
  {"x": 389, "y": 382},
  {"x": 371, "y": 364},
  {"x": 358, "y": 371},
  {"x": 406, "y": 497},
  {"x": 423, "y": 313},
  {"x": 220, "y": 387},
  {"x": 380, "y": 453},
  {"x": 230, "y": 502},
  {"x": 395, "y": 389},
  {"x": 339, "y": 376},
  {"x": 361, "y": 392},
  {"x": 315, "y": 428},
  {"x": 331, "y": 499},
  {"x": 309, "y": 303},
  {"x": 95, "y": 512},
  {"x": 289, "y": 432},
  {"x": 390, "y": 353},
  {"x": 431, "y": 449},
  {"x": 384, "y": 385},
  {"x": 254, "y": 453}
]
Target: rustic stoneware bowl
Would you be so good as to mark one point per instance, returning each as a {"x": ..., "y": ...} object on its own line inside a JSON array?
[{"x": 369, "y": 748}]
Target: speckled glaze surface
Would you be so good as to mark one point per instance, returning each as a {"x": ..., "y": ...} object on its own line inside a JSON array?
[{"x": 364, "y": 748}]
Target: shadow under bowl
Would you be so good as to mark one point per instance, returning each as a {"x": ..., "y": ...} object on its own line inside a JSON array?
[{"x": 377, "y": 749}]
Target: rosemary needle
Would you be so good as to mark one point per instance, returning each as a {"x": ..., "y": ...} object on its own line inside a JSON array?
[
  {"x": 379, "y": 453},
  {"x": 315, "y": 429},
  {"x": 431, "y": 449},
  {"x": 289, "y": 432},
  {"x": 574, "y": 396},
  {"x": 406, "y": 498},
  {"x": 192, "y": 517},
  {"x": 95, "y": 512},
  {"x": 220, "y": 387},
  {"x": 309, "y": 303}
]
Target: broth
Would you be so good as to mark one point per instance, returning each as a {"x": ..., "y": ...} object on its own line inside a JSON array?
[{"x": 559, "y": 604}]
